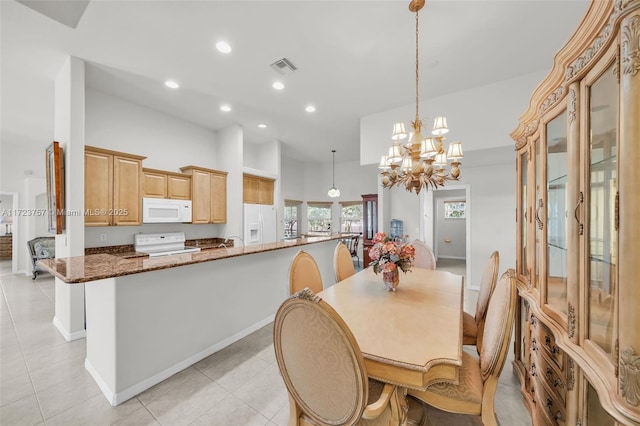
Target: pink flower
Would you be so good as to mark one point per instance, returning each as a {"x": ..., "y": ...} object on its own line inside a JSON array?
[{"x": 379, "y": 237}]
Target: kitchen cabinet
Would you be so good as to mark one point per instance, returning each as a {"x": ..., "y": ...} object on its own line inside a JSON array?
[
  {"x": 577, "y": 248},
  {"x": 164, "y": 184},
  {"x": 257, "y": 189},
  {"x": 209, "y": 194},
  {"x": 369, "y": 225},
  {"x": 113, "y": 188}
]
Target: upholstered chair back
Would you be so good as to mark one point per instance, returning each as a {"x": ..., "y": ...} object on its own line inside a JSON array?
[
  {"x": 320, "y": 361},
  {"x": 304, "y": 272},
  {"x": 342, "y": 262},
  {"x": 487, "y": 284},
  {"x": 424, "y": 257},
  {"x": 498, "y": 326}
]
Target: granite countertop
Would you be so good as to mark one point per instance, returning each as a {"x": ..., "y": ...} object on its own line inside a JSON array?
[{"x": 120, "y": 262}]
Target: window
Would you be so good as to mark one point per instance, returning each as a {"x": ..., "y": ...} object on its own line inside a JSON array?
[
  {"x": 319, "y": 217},
  {"x": 292, "y": 210},
  {"x": 454, "y": 209},
  {"x": 351, "y": 217}
]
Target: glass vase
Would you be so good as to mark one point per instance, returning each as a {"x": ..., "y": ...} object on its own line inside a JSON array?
[{"x": 391, "y": 279}]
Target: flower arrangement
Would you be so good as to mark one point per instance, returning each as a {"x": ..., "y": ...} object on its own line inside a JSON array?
[{"x": 387, "y": 255}]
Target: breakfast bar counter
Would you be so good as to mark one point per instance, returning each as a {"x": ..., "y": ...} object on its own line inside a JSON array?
[
  {"x": 148, "y": 318},
  {"x": 92, "y": 267}
]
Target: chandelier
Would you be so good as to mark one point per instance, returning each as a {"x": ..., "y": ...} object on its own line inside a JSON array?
[
  {"x": 420, "y": 163},
  {"x": 333, "y": 191}
]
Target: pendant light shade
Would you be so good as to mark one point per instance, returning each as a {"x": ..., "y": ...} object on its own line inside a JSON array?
[{"x": 333, "y": 191}]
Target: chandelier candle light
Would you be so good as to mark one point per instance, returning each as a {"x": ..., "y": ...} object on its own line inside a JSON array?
[
  {"x": 333, "y": 191},
  {"x": 421, "y": 162}
]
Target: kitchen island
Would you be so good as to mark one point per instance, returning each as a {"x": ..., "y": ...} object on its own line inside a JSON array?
[{"x": 149, "y": 318}]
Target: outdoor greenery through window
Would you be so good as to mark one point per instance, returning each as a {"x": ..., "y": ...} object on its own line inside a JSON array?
[
  {"x": 351, "y": 217},
  {"x": 454, "y": 209},
  {"x": 292, "y": 218},
  {"x": 319, "y": 217}
]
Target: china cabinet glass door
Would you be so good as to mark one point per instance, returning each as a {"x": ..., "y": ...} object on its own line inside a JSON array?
[
  {"x": 557, "y": 166},
  {"x": 538, "y": 211},
  {"x": 524, "y": 163},
  {"x": 602, "y": 237}
]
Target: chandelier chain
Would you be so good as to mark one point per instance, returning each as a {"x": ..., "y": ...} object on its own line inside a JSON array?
[{"x": 417, "y": 68}]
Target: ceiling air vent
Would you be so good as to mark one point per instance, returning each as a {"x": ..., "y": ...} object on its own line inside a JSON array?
[{"x": 283, "y": 66}]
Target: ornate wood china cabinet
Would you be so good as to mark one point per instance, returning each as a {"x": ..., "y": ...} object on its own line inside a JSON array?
[{"x": 577, "y": 351}]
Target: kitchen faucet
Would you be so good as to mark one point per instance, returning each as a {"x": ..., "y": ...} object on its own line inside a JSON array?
[{"x": 234, "y": 236}]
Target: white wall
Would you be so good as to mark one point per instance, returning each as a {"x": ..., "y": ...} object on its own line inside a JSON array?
[
  {"x": 481, "y": 118},
  {"x": 230, "y": 151},
  {"x": 493, "y": 223},
  {"x": 168, "y": 142}
]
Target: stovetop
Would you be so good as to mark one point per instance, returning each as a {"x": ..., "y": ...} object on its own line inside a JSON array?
[{"x": 163, "y": 244}]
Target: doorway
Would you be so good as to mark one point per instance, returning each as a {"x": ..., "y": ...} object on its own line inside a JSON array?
[
  {"x": 447, "y": 228},
  {"x": 8, "y": 229}
]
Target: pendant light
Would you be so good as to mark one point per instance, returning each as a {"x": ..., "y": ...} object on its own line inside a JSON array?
[{"x": 333, "y": 191}]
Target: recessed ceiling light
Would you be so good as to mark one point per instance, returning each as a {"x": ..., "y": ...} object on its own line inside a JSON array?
[
  {"x": 171, "y": 84},
  {"x": 223, "y": 47},
  {"x": 262, "y": 126},
  {"x": 225, "y": 108},
  {"x": 310, "y": 108},
  {"x": 278, "y": 85}
]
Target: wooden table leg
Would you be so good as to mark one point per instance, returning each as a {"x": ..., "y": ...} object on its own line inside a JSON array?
[{"x": 399, "y": 407}]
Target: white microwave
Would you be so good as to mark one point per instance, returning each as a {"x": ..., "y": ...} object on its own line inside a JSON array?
[{"x": 162, "y": 210}]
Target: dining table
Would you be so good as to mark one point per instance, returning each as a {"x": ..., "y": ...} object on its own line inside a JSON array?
[{"x": 411, "y": 337}]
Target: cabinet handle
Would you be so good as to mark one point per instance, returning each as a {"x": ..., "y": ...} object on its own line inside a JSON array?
[
  {"x": 538, "y": 220},
  {"x": 532, "y": 370},
  {"x": 549, "y": 403},
  {"x": 557, "y": 416},
  {"x": 558, "y": 383},
  {"x": 547, "y": 342},
  {"x": 575, "y": 213}
]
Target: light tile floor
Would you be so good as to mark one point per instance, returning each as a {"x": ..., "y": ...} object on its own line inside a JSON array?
[{"x": 43, "y": 380}]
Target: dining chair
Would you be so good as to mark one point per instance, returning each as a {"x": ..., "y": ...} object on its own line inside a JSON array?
[
  {"x": 473, "y": 326},
  {"x": 304, "y": 272},
  {"x": 342, "y": 263},
  {"x": 478, "y": 377},
  {"x": 353, "y": 247},
  {"x": 324, "y": 371},
  {"x": 424, "y": 257}
]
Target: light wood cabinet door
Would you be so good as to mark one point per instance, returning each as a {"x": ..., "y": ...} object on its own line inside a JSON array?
[
  {"x": 179, "y": 187},
  {"x": 250, "y": 189},
  {"x": 218, "y": 198},
  {"x": 98, "y": 188},
  {"x": 154, "y": 184},
  {"x": 265, "y": 191},
  {"x": 201, "y": 205},
  {"x": 127, "y": 187}
]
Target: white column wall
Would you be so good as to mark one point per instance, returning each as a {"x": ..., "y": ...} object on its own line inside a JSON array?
[{"x": 69, "y": 131}]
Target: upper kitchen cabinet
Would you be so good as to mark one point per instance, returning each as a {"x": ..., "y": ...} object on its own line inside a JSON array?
[
  {"x": 164, "y": 184},
  {"x": 208, "y": 194},
  {"x": 577, "y": 353},
  {"x": 257, "y": 189},
  {"x": 113, "y": 187}
]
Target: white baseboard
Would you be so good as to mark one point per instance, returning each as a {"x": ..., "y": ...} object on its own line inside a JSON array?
[
  {"x": 69, "y": 336},
  {"x": 451, "y": 257},
  {"x": 120, "y": 397}
]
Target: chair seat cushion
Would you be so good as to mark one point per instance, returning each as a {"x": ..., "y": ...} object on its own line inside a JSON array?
[
  {"x": 465, "y": 397},
  {"x": 469, "y": 328}
]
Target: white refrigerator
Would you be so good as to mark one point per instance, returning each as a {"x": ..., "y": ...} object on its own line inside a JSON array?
[{"x": 260, "y": 224}]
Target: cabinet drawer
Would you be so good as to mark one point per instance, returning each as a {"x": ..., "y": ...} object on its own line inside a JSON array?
[
  {"x": 547, "y": 343},
  {"x": 550, "y": 405},
  {"x": 555, "y": 379}
]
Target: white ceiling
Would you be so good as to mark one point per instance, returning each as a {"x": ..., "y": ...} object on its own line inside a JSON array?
[{"x": 354, "y": 58}]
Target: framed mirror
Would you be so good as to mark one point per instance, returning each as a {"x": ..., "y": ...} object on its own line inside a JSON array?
[{"x": 55, "y": 188}]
